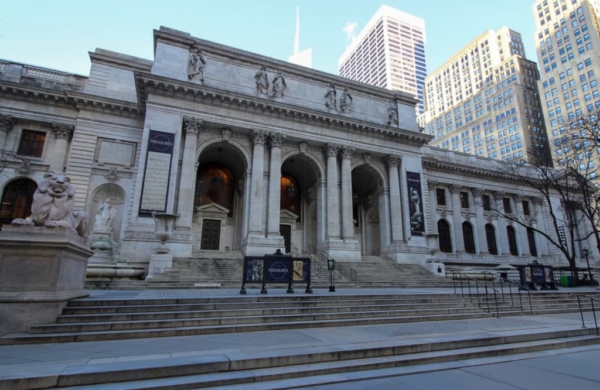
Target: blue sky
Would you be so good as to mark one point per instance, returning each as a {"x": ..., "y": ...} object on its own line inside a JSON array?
[{"x": 58, "y": 34}]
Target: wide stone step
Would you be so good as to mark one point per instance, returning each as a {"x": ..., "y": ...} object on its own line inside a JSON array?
[{"x": 240, "y": 368}]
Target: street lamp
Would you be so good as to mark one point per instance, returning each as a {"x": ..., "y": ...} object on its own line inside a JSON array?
[
  {"x": 586, "y": 253},
  {"x": 330, "y": 267}
]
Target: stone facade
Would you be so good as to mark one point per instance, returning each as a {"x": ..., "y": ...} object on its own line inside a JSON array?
[{"x": 218, "y": 145}]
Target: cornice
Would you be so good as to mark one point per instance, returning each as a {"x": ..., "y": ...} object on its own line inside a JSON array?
[
  {"x": 67, "y": 99},
  {"x": 120, "y": 62},
  {"x": 151, "y": 84},
  {"x": 466, "y": 170}
]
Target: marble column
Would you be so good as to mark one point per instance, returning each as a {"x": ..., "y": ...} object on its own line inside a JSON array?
[
  {"x": 459, "y": 240},
  {"x": 502, "y": 241},
  {"x": 185, "y": 202},
  {"x": 347, "y": 215},
  {"x": 522, "y": 240},
  {"x": 393, "y": 162},
  {"x": 480, "y": 228},
  {"x": 63, "y": 132},
  {"x": 541, "y": 242},
  {"x": 6, "y": 124},
  {"x": 333, "y": 212},
  {"x": 275, "y": 185},
  {"x": 256, "y": 194},
  {"x": 432, "y": 186}
]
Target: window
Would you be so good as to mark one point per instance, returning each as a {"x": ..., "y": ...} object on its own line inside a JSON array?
[
  {"x": 444, "y": 238},
  {"x": 512, "y": 241},
  {"x": 468, "y": 237},
  {"x": 32, "y": 143},
  {"x": 490, "y": 235},
  {"x": 526, "y": 207},
  {"x": 16, "y": 200},
  {"x": 464, "y": 200},
  {"x": 531, "y": 240},
  {"x": 486, "y": 202},
  {"x": 440, "y": 194},
  {"x": 507, "y": 208}
]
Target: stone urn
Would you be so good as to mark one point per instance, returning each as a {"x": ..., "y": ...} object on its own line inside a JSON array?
[
  {"x": 165, "y": 224},
  {"x": 432, "y": 243}
]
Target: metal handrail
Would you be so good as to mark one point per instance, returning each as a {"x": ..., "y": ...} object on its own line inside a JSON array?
[
  {"x": 340, "y": 269},
  {"x": 316, "y": 265},
  {"x": 511, "y": 283},
  {"x": 468, "y": 278},
  {"x": 592, "y": 299}
]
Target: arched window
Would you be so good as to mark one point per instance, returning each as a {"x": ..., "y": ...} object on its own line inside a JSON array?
[
  {"x": 444, "y": 236},
  {"x": 290, "y": 194},
  {"x": 531, "y": 239},
  {"x": 16, "y": 200},
  {"x": 468, "y": 237},
  {"x": 215, "y": 184},
  {"x": 491, "y": 239},
  {"x": 512, "y": 241}
]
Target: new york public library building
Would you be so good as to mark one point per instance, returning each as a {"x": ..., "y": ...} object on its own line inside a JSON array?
[{"x": 255, "y": 155}]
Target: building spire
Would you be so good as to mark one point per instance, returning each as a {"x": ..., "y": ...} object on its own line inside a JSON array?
[{"x": 297, "y": 37}]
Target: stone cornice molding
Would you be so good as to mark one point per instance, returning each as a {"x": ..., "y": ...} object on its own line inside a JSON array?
[
  {"x": 173, "y": 37},
  {"x": 192, "y": 125},
  {"x": 69, "y": 99},
  {"x": 63, "y": 130},
  {"x": 466, "y": 170},
  {"x": 120, "y": 61},
  {"x": 183, "y": 90}
]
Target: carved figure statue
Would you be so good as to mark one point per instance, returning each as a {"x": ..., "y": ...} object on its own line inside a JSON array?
[
  {"x": 53, "y": 205},
  {"x": 105, "y": 219},
  {"x": 392, "y": 113},
  {"x": 196, "y": 66},
  {"x": 279, "y": 85},
  {"x": 330, "y": 98},
  {"x": 346, "y": 101},
  {"x": 262, "y": 82}
]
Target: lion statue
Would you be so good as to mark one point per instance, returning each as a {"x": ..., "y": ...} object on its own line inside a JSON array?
[{"x": 53, "y": 205}]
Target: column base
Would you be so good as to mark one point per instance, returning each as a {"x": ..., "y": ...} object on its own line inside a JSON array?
[
  {"x": 259, "y": 245},
  {"x": 342, "y": 250}
]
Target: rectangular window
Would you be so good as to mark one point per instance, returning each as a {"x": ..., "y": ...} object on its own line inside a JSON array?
[
  {"x": 526, "y": 207},
  {"x": 486, "y": 202},
  {"x": 32, "y": 143},
  {"x": 440, "y": 194},
  {"x": 507, "y": 208},
  {"x": 464, "y": 200}
]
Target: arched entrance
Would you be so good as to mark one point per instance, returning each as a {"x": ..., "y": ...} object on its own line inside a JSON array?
[
  {"x": 445, "y": 239},
  {"x": 367, "y": 184},
  {"x": 16, "y": 200},
  {"x": 219, "y": 198}
]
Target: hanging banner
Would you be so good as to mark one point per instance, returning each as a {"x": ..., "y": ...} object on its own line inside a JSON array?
[
  {"x": 155, "y": 187},
  {"x": 415, "y": 199}
]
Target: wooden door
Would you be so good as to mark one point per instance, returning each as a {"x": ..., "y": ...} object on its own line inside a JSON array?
[
  {"x": 211, "y": 234},
  {"x": 286, "y": 232}
]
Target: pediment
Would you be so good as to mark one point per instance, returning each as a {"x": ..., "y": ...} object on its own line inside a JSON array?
[
  {"x": 286, "y": 214},
  {"x": 212, "y": 208}
]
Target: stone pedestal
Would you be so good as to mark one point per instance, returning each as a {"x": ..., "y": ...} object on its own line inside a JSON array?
[
  {"x": 102, "y": 245},
  {"x": 259, "y": 245},
  {"x": 342, "y": 250},
  {"x": 159, "y": 262},
  {"x": 40, "y": 270}
]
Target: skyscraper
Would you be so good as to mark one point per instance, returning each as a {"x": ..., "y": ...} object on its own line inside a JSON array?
[
  {"x": 484, "y": 100},
  {"x": 303, "y": 57},
  {"x": 389, "y": 52},
  {"x": 568, "y": 48}
]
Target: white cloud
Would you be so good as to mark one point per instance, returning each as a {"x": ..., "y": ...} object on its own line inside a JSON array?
[{"x": 350, "y": 31}]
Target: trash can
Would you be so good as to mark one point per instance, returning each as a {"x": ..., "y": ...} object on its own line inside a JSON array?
[
  {"x": 570, "y": 281},
  {"x": 564, "y": 281}
]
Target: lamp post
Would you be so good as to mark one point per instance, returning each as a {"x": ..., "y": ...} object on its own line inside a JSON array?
[
  {"x": 586, "y": 253},
  {"x": 330, "y": 267}
]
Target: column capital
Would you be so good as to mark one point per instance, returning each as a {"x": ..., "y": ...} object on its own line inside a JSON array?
[
  {"x": 537, "y": 201},
  {"x": 192, "y": 125},
  {"x": 432, "y": 184},
  {"x": 258, "y": 137},
  {"x": 477, "y": 192},
  {"x": 393, "y": 160},
  {"x": 499, "y": 195},
  {"x": 332, "y": 149},
  {"x": 62, "y": 130},
  {"x": 518, "y": 198},
  {"x": 346, "y": 151},
  {"x": 276, "y": 139},
  {"x": 454, "y": 189},
  {"x": 6, "y": 122}
]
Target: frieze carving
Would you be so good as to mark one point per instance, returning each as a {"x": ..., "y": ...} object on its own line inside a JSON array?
[
  {"x": 258, "y": 137},
  {"x": 262, "y": 81},
  {"x": 331, "y": 98},
  {"x": 454, "y": 189},
  {"x": 25, "y": 168},
  {"x": 112, "y": 175},
  {"x": 62, "y": 130},
  {"x": 393, "y": 160},
  {"x": 225, "y": 134},
  {"x": 279, "y": 85},
  {"x": 346, "y": 151},
  {"x": 303, "y": 147},
  {"x": 432, "y": 184},
  {"x": 6, "y": 122},
  {"x": 192, "y": 125},
  {"x": 345, "y": 101},
  {"x": 332, "y": 149},
  {"x": 276, "y": 139},
  {"x": 196, "y": 65},
  {"x": 392, "y": 111}
]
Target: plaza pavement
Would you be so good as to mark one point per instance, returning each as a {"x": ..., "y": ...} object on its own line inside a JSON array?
[{"x": 573, "y": 368}]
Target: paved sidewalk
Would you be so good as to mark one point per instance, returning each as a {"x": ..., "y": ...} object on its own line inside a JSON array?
[{"x": 21, "y": 360}]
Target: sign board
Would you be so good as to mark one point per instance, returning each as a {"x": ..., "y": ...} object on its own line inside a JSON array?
[{"x": 155, "y": 187}]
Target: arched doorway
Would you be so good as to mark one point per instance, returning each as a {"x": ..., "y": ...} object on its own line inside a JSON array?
[
  {"x": 16, "y": 200},
  {"x": 367, "y": 184},
  {"x": 469, "y": 239},
  {"x": 445, "y": 239},
  {"x": 490, "y": 235}
]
